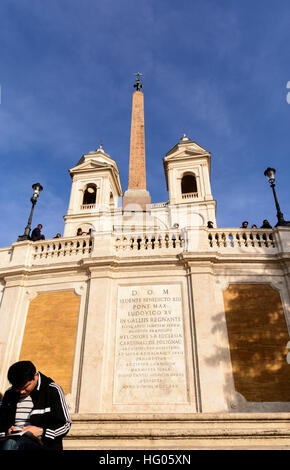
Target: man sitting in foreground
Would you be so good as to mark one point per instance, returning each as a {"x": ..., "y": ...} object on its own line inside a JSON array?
[{"x": 33, "y": 412}]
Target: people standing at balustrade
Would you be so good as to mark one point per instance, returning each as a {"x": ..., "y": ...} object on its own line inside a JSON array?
[
  {"x": 36, "y": 233},
  {"x": 266, "y": 224}
]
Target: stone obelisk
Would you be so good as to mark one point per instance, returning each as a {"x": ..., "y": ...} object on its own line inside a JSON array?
[{"x": 137, "y": 197}]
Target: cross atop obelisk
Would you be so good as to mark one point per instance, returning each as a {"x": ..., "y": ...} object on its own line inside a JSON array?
[
  {"x": 138, "y": 85},
  {"x": 136, "y": 194}
]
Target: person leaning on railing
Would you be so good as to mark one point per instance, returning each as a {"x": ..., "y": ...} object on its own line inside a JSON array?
[
  {"x": 266, "y": 224},
  {"x": 36, "y": 234}
]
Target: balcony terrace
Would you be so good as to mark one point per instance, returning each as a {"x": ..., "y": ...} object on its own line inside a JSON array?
[{"x": 221, "y": 241}]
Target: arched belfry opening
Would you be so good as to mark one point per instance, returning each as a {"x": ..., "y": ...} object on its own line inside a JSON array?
[
  {"x": 90, "y": 194},
  {"x": 188, "y": 184}
]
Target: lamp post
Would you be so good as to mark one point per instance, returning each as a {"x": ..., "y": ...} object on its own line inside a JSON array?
[
  {"x": 37, "y": 188},
  {"x": 270, "y": 175}
]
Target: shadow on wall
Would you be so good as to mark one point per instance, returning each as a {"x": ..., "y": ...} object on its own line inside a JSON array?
[{"x": 258, "y": 337}]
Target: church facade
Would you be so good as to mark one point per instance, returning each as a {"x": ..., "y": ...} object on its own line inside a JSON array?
[{"x": 156, "y": 324}]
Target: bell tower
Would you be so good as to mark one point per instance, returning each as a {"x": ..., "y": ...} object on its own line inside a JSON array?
[
  {"x": 187, "y": 172},
  {"x": 95, "y": 191}
]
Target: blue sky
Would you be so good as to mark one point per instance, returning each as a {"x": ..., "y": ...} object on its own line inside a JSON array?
[{"x": 216, "y": 70}]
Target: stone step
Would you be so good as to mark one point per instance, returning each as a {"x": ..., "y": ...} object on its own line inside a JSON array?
[{"x": 179, "y": 431}]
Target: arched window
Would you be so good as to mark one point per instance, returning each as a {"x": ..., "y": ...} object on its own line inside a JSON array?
[
  {"x": 188, "y": 184},
  {"x": 90, "y": 194}
]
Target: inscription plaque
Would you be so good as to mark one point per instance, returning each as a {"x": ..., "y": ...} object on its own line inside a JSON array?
[{"x": 150, "y": 357}]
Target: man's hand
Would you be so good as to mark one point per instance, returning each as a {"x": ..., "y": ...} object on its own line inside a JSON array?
[
  {"x": 33, "y": 429},
  {"x": 13, "y": 429}
]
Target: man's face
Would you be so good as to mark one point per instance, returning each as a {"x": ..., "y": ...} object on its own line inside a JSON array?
[{"x": 27, "y": 388}]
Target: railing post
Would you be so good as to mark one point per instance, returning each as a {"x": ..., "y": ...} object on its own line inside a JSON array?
[
  {"x": 282, "y": 235},
  {"x": 22, "y": 253},
  {"x": 197, "y": 239},
  {"x": 103, "y": 244}
]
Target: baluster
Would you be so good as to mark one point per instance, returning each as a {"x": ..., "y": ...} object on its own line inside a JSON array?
[
  {"x": 173, "y": 240},
  {"x": 64, "y": 249},
  {"x": 124, "y": 243},
  {"x": 245, "y": 239},
  {"x": 251, "y": 237},
  {"x": 69, "y": 247},
  {"x": 118, "y": 243},
  {"x": 142, "y": 242},
  {"x": 265, "y": 239},
  {"x": 166, "y": 239},
  {"x": 231, "y": 240},
  {"x": 217, "y": 239},
  {"x": 47, "y": 251},
  {"x": 135, "y": 244},
  {"x": 224, "y": 239},
  {"x": 74, "y": 247},
  {"x": 159, "y": 240},
  {"x": 59, "y": 249},
  {"x": 139, "y": 244},
  {"x": 41, "y": 251},
  {"x": 53, "y": 250},
  {"x": 271, "y": 238},
  {"x": 210, "y": 240},
  {"x": 35, "y": 252},
  {"x": 181, "y": 241}
]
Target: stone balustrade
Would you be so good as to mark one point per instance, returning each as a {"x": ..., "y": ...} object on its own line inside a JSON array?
[
  {"x": 88, "y": 207},
  {"x": 189, "y": 195},
  {"x": 237, "y": 238},
  {"x": 157, "y": 205},
  {"x": 149, "y": 241},
  {"x": 165, "y": 242},
  {"x": 58, "y": 249}
]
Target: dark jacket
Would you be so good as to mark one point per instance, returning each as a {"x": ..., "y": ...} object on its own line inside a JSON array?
[
  {"x": 49, "y": 412},
  {"x": 36, "y": 235}
]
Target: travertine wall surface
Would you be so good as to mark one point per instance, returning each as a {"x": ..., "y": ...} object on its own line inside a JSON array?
[
  {"x": 49, "y": 336},
  {"x": 258, "y": 336},
  {"x": 200, "y": 327}
]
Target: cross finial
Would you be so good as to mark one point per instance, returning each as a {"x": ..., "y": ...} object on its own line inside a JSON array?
[{"x": 138, "y": 85}]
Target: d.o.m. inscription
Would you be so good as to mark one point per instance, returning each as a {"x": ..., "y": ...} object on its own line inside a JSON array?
[{"x": 149, "y": 356}]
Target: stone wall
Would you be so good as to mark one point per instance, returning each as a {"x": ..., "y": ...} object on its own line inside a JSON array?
[
  {"x": 258, "y": 337},
  {"x": 50, "y": 333}
]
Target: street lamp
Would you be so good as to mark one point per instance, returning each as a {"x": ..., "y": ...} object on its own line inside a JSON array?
[
  {"x": 37, "y": 188},
  {"x": 270, "y": 175}
]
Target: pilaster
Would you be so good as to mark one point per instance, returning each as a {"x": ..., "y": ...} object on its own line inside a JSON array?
[
  {"x": 211, "y": 340},
  {"x": 92, "y": 372}
]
